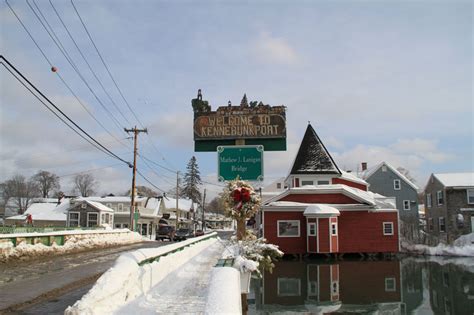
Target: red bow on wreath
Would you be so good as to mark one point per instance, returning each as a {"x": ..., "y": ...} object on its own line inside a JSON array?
[{"x": 240, "y": 196}]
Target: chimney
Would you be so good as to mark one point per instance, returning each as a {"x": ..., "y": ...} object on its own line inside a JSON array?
[{"x": 364, "y": 166}]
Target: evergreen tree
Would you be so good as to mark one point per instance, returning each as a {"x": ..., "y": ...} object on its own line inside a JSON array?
[
  {"x": 244, "y": 102},
  {"x": 192, "y": 180}
]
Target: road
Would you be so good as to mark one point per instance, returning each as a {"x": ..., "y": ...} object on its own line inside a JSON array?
[
  {"x": 49, "y": 285},
  {"x": 26, "y": 285}
]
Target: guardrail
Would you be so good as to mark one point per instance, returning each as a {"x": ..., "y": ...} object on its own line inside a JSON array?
[
  {"x": 134, "y": 274},
  {"x": 187, "y": 243},
  {"x": 49, "y": 238},
  {"x": 22, "y": 229}
]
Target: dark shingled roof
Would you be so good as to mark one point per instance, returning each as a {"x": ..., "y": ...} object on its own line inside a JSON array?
[{"x": 313, "y": 157}]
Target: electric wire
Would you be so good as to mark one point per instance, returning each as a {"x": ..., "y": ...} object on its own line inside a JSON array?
[
  {"x": 115, "y": 82},
  {"x": 51, "y": 65},
  {"x": 90, "y": 170},
  {"x": 149, "y": 182},
  {"x": 88, "y": 65},
  {"x": 60, "y": 118},
  {"x": 62, "y": 113},
  {"x": 73, "y": 65}
]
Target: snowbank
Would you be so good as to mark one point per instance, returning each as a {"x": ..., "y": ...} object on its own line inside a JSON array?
[
  {"x": 74, "y": 241},
  {"x": 463, "y": 246},
  {"x": 224, "y": 292},
  {"x": 127, "y": 280}
]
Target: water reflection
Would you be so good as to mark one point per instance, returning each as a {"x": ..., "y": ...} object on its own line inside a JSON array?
[{"x": 407, "y": 286}]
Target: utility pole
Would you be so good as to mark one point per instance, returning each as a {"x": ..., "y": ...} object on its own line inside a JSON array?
[
  {"x": 203, "y": 203},
  {"x": 177, "y": 197},
  {"x": 132, "y": 206}
]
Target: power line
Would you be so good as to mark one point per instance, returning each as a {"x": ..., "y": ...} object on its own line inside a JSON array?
[
  {"x": 105, "y": 64},
  {"x": 90, "y": 170},
  {"x": 149, "y": 182},
  {"x": 60, "y": 118},
  {"x": 51, "y": 65},
  {"x": 62, "y": 113},
  {"x": 88, "y": 65},
  {"x": 114, "y": 81},
  {"x": 70, "y": 61}
]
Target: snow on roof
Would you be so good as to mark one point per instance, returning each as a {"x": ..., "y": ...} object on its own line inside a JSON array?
[
  {"x": 372, "y": 171},
  {"x": 456, "y": 179},
  {"x": 320, "y": 209},
  {"x": 313, "y": 157},
  {"x": 43, "y": 212},
  {"x": 351, "y": 177},
  {"x": 124, "y": 199},
  {"x": 99, "y": 206},
  {"x": 366, "y": 197},
  {"x": 183, "y": 204}
]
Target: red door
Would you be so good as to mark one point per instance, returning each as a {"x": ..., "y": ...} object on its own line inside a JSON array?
[{"x": 312, "y": 232}]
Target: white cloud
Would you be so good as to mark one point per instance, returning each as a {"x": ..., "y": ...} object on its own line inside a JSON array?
[
  {"x": 275, "y": 50},
  {"x": 174, "y": 129}
]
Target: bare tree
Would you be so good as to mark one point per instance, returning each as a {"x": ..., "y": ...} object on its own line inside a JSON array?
[
  {"x": 406, "y": 173},
  {"x": 143, "y": 191},
  {"x": 47, "y": 182},
  {"x": 85, "y": 184},
  {"x": 21, "y": 191}
]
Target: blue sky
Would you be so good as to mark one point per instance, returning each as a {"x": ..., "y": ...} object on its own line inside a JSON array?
[{"x": 388, "y": 80}]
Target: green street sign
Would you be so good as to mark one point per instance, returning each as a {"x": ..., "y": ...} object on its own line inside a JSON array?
[{"x": 245, "y": 162}]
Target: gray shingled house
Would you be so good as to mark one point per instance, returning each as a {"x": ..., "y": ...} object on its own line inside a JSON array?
[
  {"x": 384, "y": 179},
  {"x": 449, "y": 204}
]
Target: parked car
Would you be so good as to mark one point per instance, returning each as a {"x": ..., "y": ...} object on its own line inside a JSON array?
[
  {"x": 199, "y": 233},
  {"x": 165, "y": 232},
  {"x": 183, "y": 234}
]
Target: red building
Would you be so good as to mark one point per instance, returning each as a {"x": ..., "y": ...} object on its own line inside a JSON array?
[{"x": 326, "y": 210}]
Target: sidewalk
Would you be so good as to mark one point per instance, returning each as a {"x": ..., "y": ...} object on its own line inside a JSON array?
[{"x": 182, "y": 291}]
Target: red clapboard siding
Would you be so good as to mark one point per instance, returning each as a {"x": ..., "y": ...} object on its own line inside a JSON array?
[
  {"x": 349, "y": 183},
  {"x": 362, "y": 232},
  {"x": 289, "y": 245},
  {"x": 320, "y": 198}
]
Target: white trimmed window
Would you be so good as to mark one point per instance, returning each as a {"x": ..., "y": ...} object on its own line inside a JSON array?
[
  {"x": 288, "y": 228},
  {"x": 397, "y": 184},
  {"x": 323, "y": 182},
  {"x": 470, "y": 196},
  {"x": 442, "y": 224},
  {"x": 390, "y": 285},
  {"x": 102, "y": 218},
  {"x": 439, "y": 197},
  {"x": 388, "y": 228},
  {"x": 120, "y": 207},
  {"x": 333, "y": 229},
  {"x": 311, "y": 229},
  {"x": 406, "y": 205},
  {"x": 74, "y": 218},
  {"x": 307, "y": 182},
  {"x": 92, "y": 219},
  {"x": 289, "y": 287},
  {"x": 428, "y": 200},
  {"x": 118, "y": 225}
]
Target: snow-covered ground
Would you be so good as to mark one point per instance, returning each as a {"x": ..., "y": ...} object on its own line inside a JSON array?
[
  {"x": 463, "y": 246},
  {"x": 74, "y": 241},
  {"x": 178, "y": 280}
]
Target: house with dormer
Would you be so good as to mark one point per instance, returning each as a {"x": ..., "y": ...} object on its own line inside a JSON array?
[
  {"x": 328, "y": 211},
  {"x": 386, "y": 180}
]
